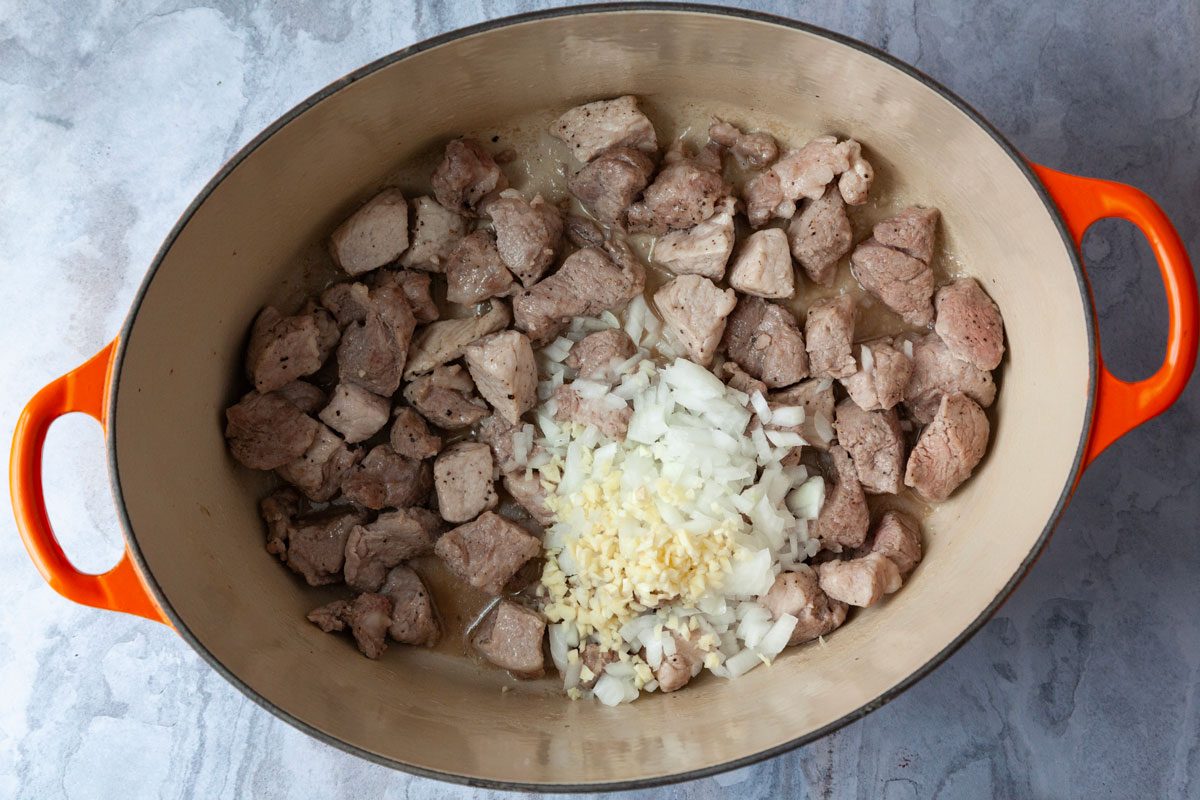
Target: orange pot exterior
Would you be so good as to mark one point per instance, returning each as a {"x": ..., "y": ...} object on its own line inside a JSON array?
[
  {"x": 83, "y": 389},
  {"x": 1120, "y": 405}
]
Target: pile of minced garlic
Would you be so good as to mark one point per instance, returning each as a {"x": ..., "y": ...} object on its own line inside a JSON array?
[{"x": 675, "y": 530}]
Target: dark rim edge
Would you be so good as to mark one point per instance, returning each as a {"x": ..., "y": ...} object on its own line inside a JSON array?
[{"x": 659, "y": 780}]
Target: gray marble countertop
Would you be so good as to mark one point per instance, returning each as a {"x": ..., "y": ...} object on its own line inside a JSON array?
[{"x": 114, "y": 115}]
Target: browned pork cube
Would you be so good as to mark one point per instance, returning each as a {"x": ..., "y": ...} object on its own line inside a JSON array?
[
  {"x": 372, "y": 353},
  {"x": 417, "y": 289},
  {"x": 446, "y": 397},
  {"x": 487, "y": 552},
  {"x": 475, "y": 271},
  {"x": 753, "y": 150},
  {"x": 466, "y": 177},
  {"x": 592, "y": 128},
  {"x": 949, "y": 448},
  {"x": 445, "y": 340},
  {"x": 898, "y": 536},
  {"x": 684, "y": 193},
  {"x": 610, "y": 419},
  {"x": 528, "y": 234},
  {"x": 368, "y": 616},
  {"x": 969, "y": 323},
  {"x": 875, "y": 443},
  {"x": 844, "y": 518},
  {"x": 320, "y": 471},
  {"x": 511, "y": 638},
  {"x": 497, "y": 433},
  {"x": 703, "y": 249},
  {"x": 596, "y": 354},
  {"x": 462, "y": 476},
  {"x": 435, "y": 232},
  {"x": 883, "y": 373},
  {"x": 860, "y": 581},
  {"x": 279, "y": 511},
  {"x": 374, "y": 235},
  {"x": 936, "y": 372},
  {"x": 355, "y": 413},
  {"x": 347, "y": 302},
  {"x": 763, "y": 266},
  {"x": 820, "y": 235},
  {"x": 610, "y": 182},
  {"x": 912, "y": 231},
  {"x": 694, "y": 311},
  {"x": 799, "y": 594},
  {"x": 410, "y": 436},
  {"x": 530, "y": 494},
  {"x": 677, "y": 669},
  {"x": 414, "y": 618},
  {"x": 505, "y": 372},
  {"x": 283, "y": 349},
  {"x": 316, "y": 545},
  {"x": 903, "y": 283},
  {"x": 739, "y": 379},
  {"x": 386, "y": 479},
  {"x": 829, "y": 333},
  {"x": 265, "y": 431},
  {"x": 855, "y": 183},
  {"x": 394, "y": 537},
  {"x": 765, "y": 341},
  {"x": 304, "y": 396},
  {"x": 799, "y": 173},
  {"x": 587, "y": 283}
]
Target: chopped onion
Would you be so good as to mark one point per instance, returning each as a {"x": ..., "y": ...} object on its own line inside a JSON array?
[
  {"x": 868, "y": 359},
  {"x": 787, "y": 416},
  {"x": 742, "y": 662},
  {"x": 775, "y": 639},
  {"x": 759, "y": 404}
]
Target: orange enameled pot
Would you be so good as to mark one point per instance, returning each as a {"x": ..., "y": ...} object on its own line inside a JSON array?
[{"x": 194, "y": 556}]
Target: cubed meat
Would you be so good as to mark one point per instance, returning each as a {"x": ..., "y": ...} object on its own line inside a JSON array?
[
  {"x": 587, "y": 283},
  {"x": 511, "y": 638},
  {"x": 816, "y": 398},
  {"x": 820, "y": 236},
  {"x": 861, "y": 581},
  {"x": 844, "y": 518},
  {"x": 829, "y": 333},
  {"x": 372, "y": 353},
  {"x": 374, "y": 235},
  {"x": 799, "y": 594},
  {"x": 446, "y": 397},
  {"x": 583, "y": 232},
  {"x": 414, "y": 618},
  {"x": 435, "y": 231},
  {"x": 751, "y": 150},
  {"x": 528, "y": 234},
  {"x": 595, "y": 658},
  {"x": 611, "y": 182},
  {"x": 799, "y": 173},
  {"x": 386, "y": 479},
  {"x": 912, "y": 232},
  {"x": 497, "y": 433},
  {"x": 764, "y": 340},
  {"x": 462, "y": 476},
  {"x": 303, "y": 395},
  {"x": 969, "y": 323},
  {"x": 936, "y": 372},
  {"x": 265, "y": 431},
  {"x": 592, "y": 128},
  {"x": 488, "y": 551},
  {"x": 855, "y": 183},
  {"x": 447, "y": 339},
  {"x": 903, "y": 283},
  {"x": 505, "y": 372},
  {"x": 355, "y": 413},
  {"x": 605, "y": 415},
  {"x": 320, "y": 471},
  {"x": 416, "y": 287},
  {"x": 347, "y": 302},
  {"x": 278, "y": 510},
  {"x": 737, "y": 378},
  {"x": 763, "y": 265},
  {"x": 683, "y": 194},
  {"x": 368, "y": 616},
  {"x": 694, "y": 311},
  {"x": 898, "y": 536},
  {"x": 677, "y": 669},
  {"x": 875, "y": 443},
  {"x": 316, "y": 545},
  {"x": 883, "y": 373},
  {"x": 701, "y": 250},
  {"x": 410, "y": 436},
  {"x": 949, "y": 448},
  {"x": 530, "y": 494},
  {"x": 283, "y": 349},
  {"x": 595, "y": 355},
  {"x": 475, "y": 272},
  {"x": 394, "y": 537},
  {"x": 467, "y": 177}
]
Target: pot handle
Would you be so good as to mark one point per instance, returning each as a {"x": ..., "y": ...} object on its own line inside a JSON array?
[
  {"x": 1122, "y": 406},
  {"x": 83, "y": 389}
]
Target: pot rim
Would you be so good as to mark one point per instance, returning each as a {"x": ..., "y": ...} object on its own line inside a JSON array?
[{"x": 594, "y": 8}]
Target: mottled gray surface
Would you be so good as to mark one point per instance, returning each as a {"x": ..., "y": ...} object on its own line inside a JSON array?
[{"x": 113, "y": 115}]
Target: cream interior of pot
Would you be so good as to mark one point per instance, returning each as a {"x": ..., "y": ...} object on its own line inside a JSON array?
[{"x": 193, "y": 512}]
